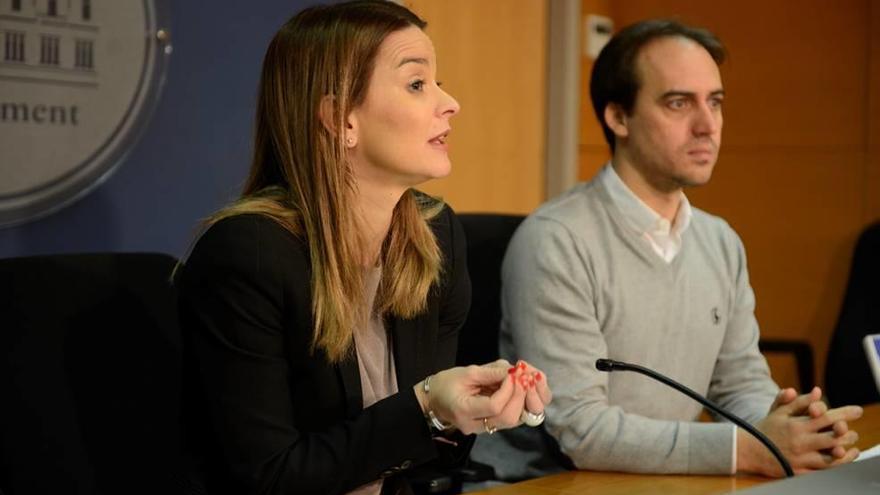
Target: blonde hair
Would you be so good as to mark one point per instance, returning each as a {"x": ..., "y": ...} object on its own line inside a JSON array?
[{"x": 300, "y": 178}]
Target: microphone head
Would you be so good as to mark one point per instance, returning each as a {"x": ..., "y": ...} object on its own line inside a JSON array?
[{"x": 604, "y": 364}]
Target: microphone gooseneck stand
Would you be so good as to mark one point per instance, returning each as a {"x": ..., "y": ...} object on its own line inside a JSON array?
[{"x": 609, "y": 365}]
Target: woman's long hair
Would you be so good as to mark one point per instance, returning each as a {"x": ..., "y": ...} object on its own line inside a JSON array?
[{"x": 300, "y": 176}]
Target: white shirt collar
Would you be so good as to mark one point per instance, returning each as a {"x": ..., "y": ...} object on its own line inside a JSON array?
[{"x": 664, "y": 237}]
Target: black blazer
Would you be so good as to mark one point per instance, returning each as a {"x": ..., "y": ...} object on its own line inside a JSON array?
[{"x": 265, "y": 415}]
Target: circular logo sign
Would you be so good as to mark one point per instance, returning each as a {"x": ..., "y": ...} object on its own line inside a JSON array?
[{"x": 78, "y": 80}]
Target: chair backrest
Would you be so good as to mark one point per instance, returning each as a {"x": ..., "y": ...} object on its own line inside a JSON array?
[
  {"x": 89, "y": 374},
  {"x": 487, "y": 239},
  {"x": 848, "y": 378}
]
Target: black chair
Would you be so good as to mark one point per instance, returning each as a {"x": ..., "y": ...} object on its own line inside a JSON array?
[
  {"x": 89, "y": 375},
  {"x": 487, "y": 238},
  {"x": 848, "y": 378}
]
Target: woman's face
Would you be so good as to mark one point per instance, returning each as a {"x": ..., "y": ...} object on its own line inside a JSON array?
[{"x": 397, "y": 136}]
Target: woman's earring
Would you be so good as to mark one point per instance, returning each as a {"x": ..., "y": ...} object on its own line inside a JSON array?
[{"x": 349, "y": 141}]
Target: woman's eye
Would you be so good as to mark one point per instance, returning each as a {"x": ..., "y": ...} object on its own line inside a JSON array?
[{"x": 417, "y": 85}]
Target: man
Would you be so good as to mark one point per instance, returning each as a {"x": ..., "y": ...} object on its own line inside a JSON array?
[{"x": 624, "y": 267}]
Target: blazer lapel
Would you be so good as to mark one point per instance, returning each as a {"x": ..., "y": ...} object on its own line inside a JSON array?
[
  {"x": 408, "y": 358},
  {"x": 351, "y": 384}
]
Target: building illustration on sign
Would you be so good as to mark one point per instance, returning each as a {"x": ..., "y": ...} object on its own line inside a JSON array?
[{"x": 49, "y": 42}]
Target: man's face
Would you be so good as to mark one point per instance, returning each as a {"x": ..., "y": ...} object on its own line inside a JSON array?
[{"x": 673, "y": 133}]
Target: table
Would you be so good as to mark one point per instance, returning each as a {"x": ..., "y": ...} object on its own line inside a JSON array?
[{"x": 580, "y": 482}]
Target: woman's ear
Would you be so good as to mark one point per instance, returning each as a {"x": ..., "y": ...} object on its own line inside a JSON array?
[
  {"x": 327, "y": 114},
  {"x": 616, "y": 120}
]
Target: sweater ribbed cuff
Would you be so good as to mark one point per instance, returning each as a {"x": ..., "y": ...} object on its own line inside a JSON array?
[{"x": 711, "y": 449}]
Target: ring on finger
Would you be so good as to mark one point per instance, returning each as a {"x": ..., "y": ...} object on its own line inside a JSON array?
[
  {"x": 531, "y": 418},
  {"x": 489, "y": 429}
]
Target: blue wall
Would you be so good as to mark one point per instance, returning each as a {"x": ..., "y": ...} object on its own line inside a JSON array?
[{"x": 193, "y": 156}]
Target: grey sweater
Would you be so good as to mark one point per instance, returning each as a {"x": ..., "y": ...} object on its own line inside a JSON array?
[{"x": 578, "y": 283}]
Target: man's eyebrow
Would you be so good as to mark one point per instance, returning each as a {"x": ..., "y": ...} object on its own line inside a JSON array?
[
  {"x": 412, "y": 60},
  {"x": 688, "y": 94},
  {"x": 675, "y": 93}
]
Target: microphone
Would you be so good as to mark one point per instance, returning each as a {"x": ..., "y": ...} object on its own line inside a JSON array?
[{"x": 609, "y": 365}]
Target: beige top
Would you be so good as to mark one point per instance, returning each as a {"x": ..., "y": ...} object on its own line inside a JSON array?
[{"x": 375, "y": 362}]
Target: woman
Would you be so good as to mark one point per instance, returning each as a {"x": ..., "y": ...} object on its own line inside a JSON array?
[{"x": 321, "y": 310}]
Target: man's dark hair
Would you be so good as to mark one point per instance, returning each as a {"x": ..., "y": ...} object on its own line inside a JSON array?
[{"x": 614, "y": 78}]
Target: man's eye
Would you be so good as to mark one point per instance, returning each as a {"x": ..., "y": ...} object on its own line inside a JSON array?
[
  {"x": 417, "y": 85},
  {"x": 716, "y": 102},
  {"x": 677, "y": 104}
]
